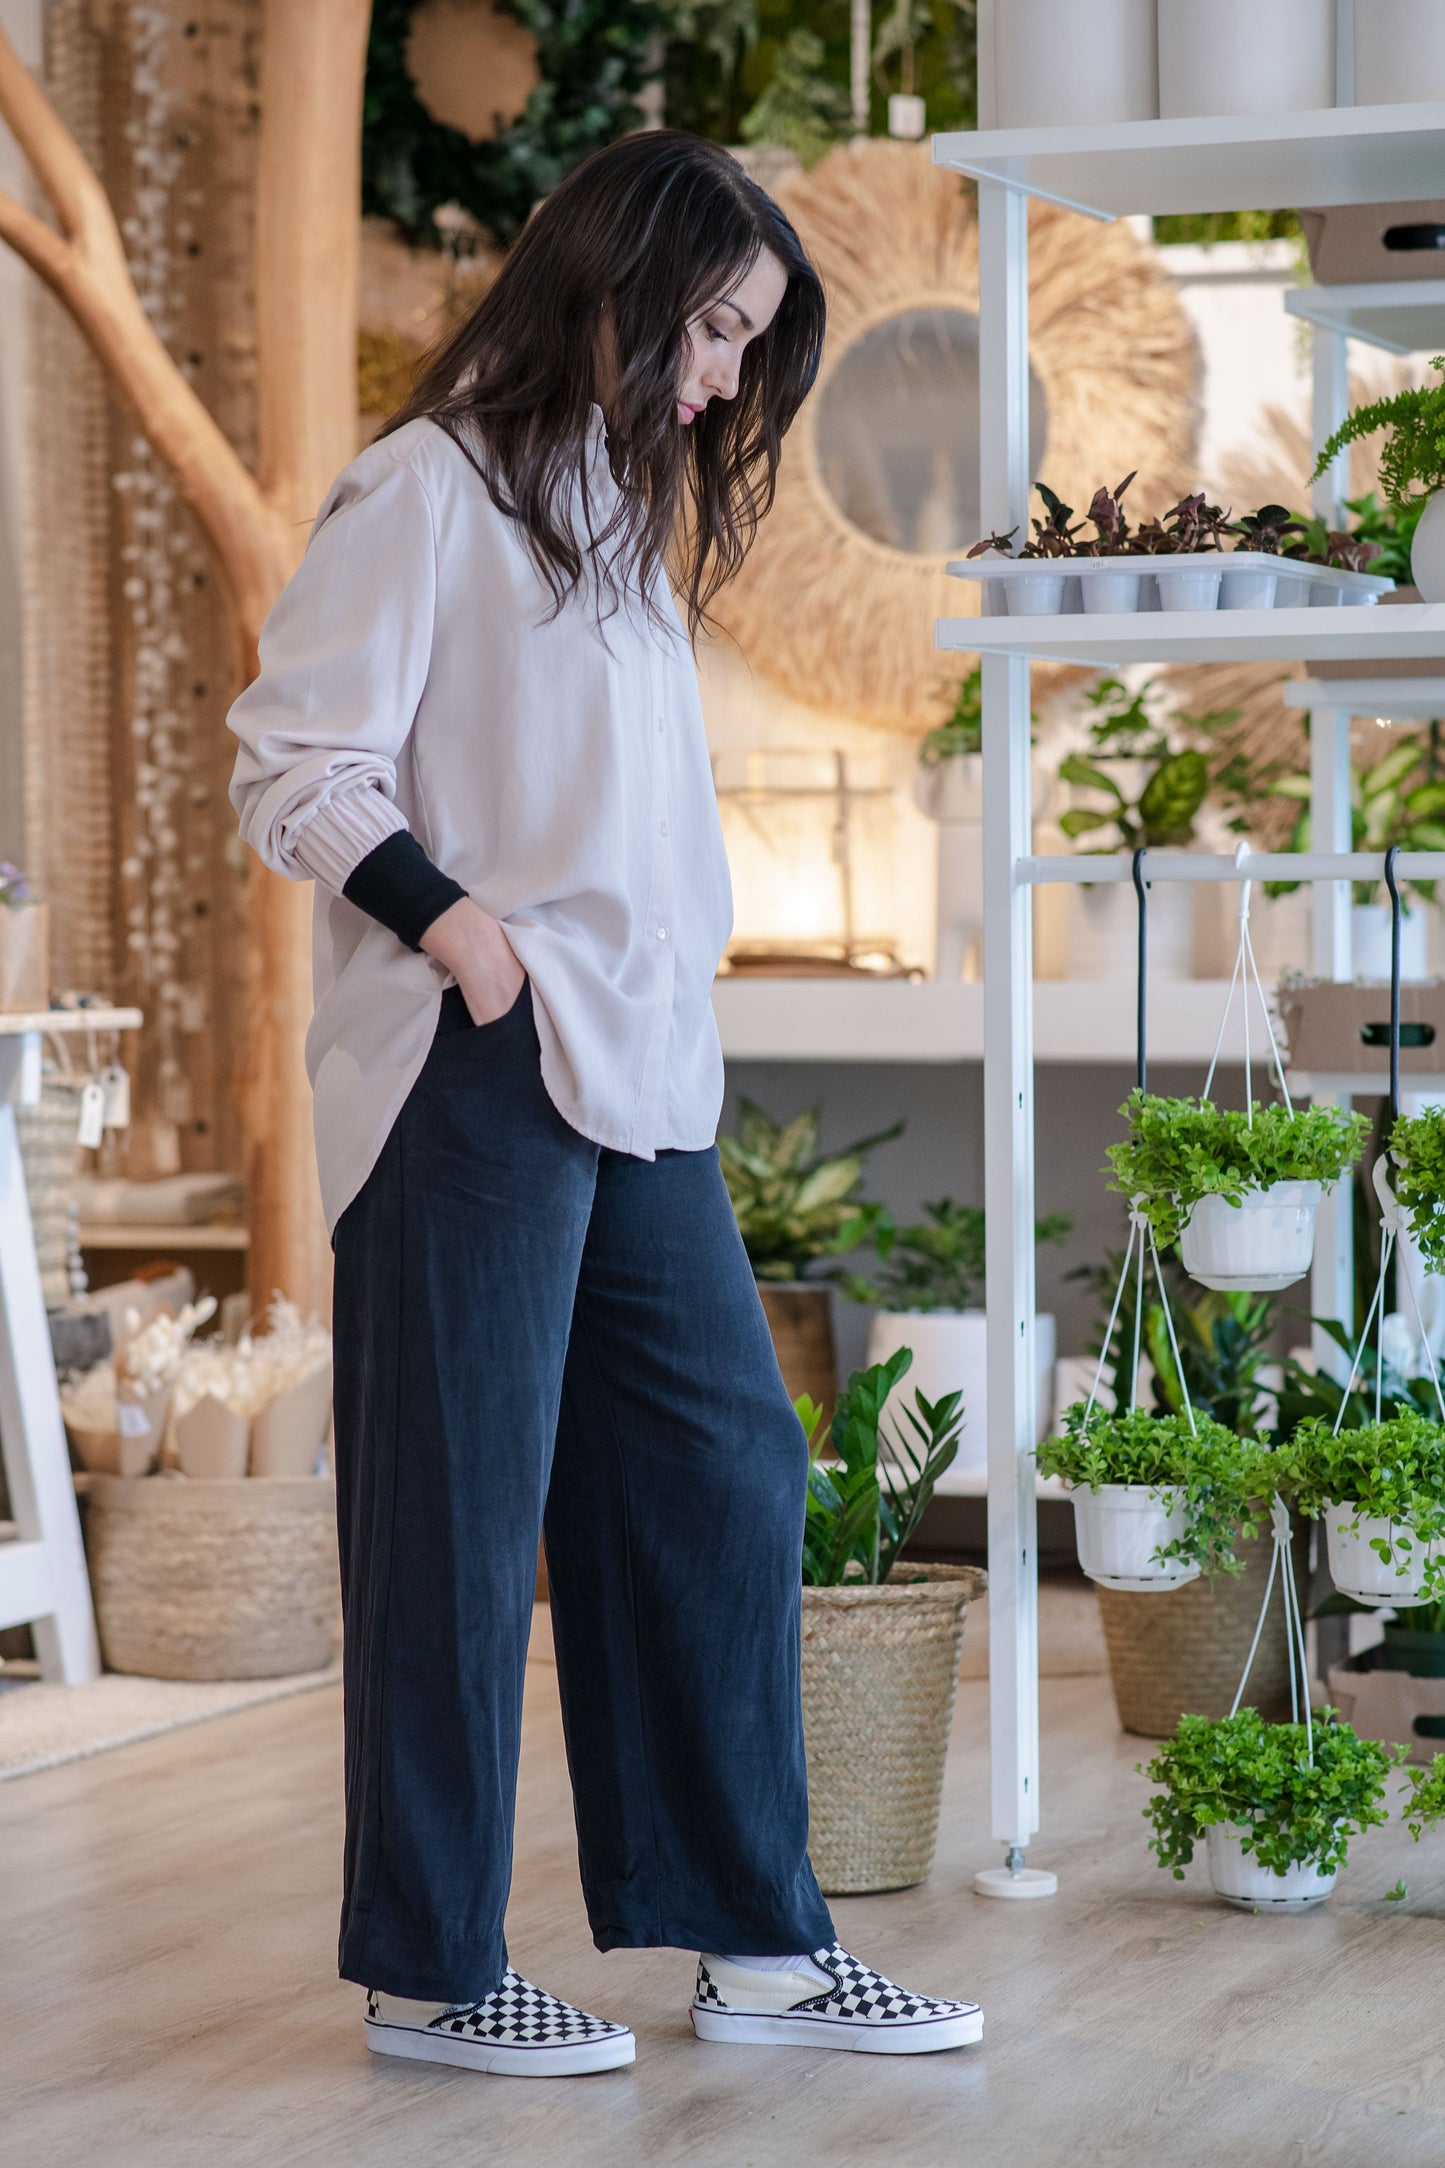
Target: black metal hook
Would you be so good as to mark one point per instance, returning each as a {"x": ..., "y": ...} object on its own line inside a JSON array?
[
  {"x": 1393, "y": 885},
  {"x": 1141, "y": 1071}
]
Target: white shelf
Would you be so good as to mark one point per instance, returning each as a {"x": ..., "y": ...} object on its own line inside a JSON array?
[
  {"x": 1259, "y": 161},
  {"x": 138, "y": 1235},
  {"x": 1410, "y": 631},
  {"x": 1388, "y": 699},
  {"x": 14, "y": 1022},
  {"x": 1404, "y": 316},
  {"x": 893, "y": 1020}
]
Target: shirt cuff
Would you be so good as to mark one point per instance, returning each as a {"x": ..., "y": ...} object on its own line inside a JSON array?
[
  {"x": 334, "y": 840},
  {"x": 397, "y": 884}
]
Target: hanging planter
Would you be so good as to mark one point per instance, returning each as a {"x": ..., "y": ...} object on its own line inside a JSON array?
[
  {"x": 1276, "y": 1804},
  {"x": 1158, "y": 1499},
  {"x": 1380, "y": 1490},
  {"x": 1258, "y": 1174},
  {"x": 1417, "y": 1153}
]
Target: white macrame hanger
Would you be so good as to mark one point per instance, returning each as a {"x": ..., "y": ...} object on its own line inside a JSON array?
[{"x": 1245, "y": 966}]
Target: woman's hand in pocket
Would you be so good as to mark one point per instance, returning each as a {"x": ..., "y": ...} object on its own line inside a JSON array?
[{"x": 473, "y": 947}]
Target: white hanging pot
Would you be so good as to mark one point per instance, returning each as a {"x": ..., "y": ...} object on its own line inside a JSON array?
[
  {"x": 1399, "y": 51},
  {"x": 1121, "y": 1527},
  {"x": 1256, "y": 1247},
  {"x": 1370, "y": 941},
  {"x": 1359, "y": 1571},
  {"x": 950, "y": 1355},
  {"x": 1236, "y": 56},
  {"x": 1427, "y": 551},
  {"x": 1057, "y": 63},
  {"x": 1239, "y": 1879},
  {"x": 1103, "y": 930}
]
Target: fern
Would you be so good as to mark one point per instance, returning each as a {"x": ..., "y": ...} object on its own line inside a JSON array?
[{"x": 1413, "y": 460}]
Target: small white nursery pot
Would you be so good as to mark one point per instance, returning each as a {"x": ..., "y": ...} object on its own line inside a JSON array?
[
  {"x": 1256, "y": 1247},
  {"x": 1189, "y": 587},
  {"x": 1247, "y": 590},
  {"x": 1110, "y": 594},
  {"x": 1120, "y": 1527},
  {"x": 1359, "y": 1571},
  {"x": 1239, "y": 1879},
  {"x": 1036, "y": 594}
]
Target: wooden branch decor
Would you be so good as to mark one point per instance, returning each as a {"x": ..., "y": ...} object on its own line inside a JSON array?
[{"x": 308, "y": 238}]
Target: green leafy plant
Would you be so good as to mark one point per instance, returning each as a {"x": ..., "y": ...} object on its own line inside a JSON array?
[
  {"x": 1266, "y": 529},
  {"x": 1392, "y": 1471},
  {"x": 963, "y": 731},
  {"x": 1391, "y": 528},
  {"x": 1417, "y": 1147},
  {"x": 1306, "y": 1394},
  {"x": 1425, "y": 1804},
  {"x": 1123, "y": 727},
  {"x": 802, "y": 108},
  {"x": 1401, "y": 799},
  {"x": 1413, "y": 461},
  {"x": 938, "y": 1264},
  {"x": 867, "y": 1497},
  {"x": 792, "y": 1206},
  {"x": 1242, "y": 1771},
  {"x": 1179, "y": 1150},
  {"x": 1225, "y": 1479}
]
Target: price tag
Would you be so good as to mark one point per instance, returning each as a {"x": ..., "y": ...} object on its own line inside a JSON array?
[
  {"x": 131, "y": 1421},
  {"x": 92, "y": 1114},
  {"x": 115, "y": 1085}
]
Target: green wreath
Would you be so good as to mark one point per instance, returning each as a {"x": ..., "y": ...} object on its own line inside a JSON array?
[{"x": 592, "y": 56}]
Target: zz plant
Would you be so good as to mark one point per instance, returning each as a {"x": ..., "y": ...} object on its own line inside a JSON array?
[
  {"x": 1179, "y": 1150},
  {"x": 1391, "y": 1471},
  {"x": 866, "y": 1498},
  {"x": 1225, "y": 1479},
  {"x": 1241, "y": 1770}
]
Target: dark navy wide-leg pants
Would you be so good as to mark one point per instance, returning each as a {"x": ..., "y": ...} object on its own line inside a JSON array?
[{"x": 532, "y": 1330}]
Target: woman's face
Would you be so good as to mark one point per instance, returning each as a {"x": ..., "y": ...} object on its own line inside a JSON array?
[{"x": 713, "y": 345}]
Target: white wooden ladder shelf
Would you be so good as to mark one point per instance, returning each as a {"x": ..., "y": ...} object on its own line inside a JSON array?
[{"x": 43, "y": 1581}]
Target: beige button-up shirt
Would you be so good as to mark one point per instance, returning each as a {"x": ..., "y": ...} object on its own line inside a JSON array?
[{"x": 410, "y": 677}]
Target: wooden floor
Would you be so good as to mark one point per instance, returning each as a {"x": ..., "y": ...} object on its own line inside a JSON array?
[{"x": 167, "y": 1929}]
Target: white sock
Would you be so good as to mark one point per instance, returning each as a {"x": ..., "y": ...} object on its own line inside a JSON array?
[{"x": 801, "y": 1964}]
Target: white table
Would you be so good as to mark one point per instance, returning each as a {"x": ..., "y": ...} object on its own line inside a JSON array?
[{"x": 43, "y": 1581}]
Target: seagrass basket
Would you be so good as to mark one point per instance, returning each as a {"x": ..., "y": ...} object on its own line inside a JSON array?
[
  {"x": 1181, "y": 1652},
  {"x": 880, "y": 1667},
  {"x": 231, "y": 1579}
]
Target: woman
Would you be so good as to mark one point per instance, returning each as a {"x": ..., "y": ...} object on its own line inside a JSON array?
[{"x": 476, "y": 727}]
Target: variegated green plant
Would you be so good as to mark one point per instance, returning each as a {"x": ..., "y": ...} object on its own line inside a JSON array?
[{"x": 793, "y": 1206}]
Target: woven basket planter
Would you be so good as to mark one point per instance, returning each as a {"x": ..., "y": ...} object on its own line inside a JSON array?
[
  {"x": 232, "y": 1579},
  {"x": 880, "y": 1667},
  {"x": 1182, "y": 1651}
]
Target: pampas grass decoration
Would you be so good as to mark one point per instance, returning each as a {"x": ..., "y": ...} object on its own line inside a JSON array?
[{"x": 844, "y": 622}]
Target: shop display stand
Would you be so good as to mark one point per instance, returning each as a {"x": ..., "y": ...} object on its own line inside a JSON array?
[
  {"x": 43, "y": 1580},
  {"x": 1343, "y": 156}
]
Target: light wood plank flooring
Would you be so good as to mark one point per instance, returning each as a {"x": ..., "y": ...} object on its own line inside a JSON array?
[{"x": 167, "y": 1929}]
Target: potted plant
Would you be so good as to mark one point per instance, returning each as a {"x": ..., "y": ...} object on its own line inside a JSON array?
[
  {"x": 1237, "y": 1190},
  {"x": 1412, "y": 468},
  {"x": 1191, "y": 529},
  {"x": 1417, "y": 1155},
  {"x": 1157, "y": 1500},
  {"x": 794, "y": 1207},
  {"x": 1140, "y": 787},
  {"x": 1276, "y": 1806},
  {"x": 1262, "y": 534},
  {"x": 24, "y": 943},
  {"x": 881, "y": 1635},
  {"x": 1380, "y": 1490},
  {"x": 927, "y": 1295},
  {"x": 1425, "y": 1804}
]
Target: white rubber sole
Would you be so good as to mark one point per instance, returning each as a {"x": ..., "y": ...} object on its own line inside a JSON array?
[
  {"x": 924, "y": 2036},
  {"x": 571, "y": 2060}
]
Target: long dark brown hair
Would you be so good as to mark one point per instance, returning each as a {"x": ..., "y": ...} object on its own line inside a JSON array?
[{"x": 659, "y": 226}]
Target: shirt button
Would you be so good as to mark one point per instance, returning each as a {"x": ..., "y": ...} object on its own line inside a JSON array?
[
  {"x": 659, "y": 724},
  {"x": 662, "y": 828},
  {"x": 662, "y": 933}
]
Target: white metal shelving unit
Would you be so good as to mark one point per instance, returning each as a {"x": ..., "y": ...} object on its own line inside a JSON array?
[{"x": 1347, "y": 155}]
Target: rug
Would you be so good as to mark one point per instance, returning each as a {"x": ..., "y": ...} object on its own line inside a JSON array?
[{"x": 42, "y": 1726}]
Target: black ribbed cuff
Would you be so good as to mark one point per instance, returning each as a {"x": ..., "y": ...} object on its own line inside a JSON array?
[{"x": 398, "y": 885}]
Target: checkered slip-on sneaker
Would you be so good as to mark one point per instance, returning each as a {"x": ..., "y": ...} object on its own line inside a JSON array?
[
  {"x": 518, "y": 2030},
  {"x": 860, "y": 2010}
]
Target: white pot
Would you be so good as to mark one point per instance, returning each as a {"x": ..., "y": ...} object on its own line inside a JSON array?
[
  {"x": 950, "y": 790},
  {"x": 1036, "y": 594},
  {"x": 1370, "y": 941},
  {"x": 1110, "y": 593},
  {"x": 1239, "y": 1879},
  {"x": 950, "y": 1355},
  {"x": 1257, "y": 1246},
  {"x": 1359, "y": 1571},
  {"x": 1057, "y": 63},
  {"x": 1399, "y": 51},
  {"x": 1103, "y": 931},
  {"x": 1238, "y": 56},
  {"x": 1427, "y": 551},
  {"x": 1189, "y": 587},
  {"x": 1292, "y": 590},
  {"x": 1247, "y": 590},
  {"x": 1121, "y": 1527}
]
